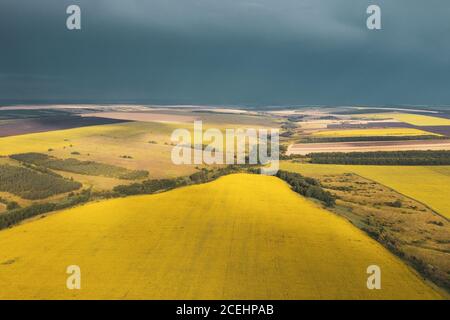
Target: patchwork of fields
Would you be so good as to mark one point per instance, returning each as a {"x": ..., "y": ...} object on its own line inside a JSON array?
[
  {"x": 240, "y": 237},
  {"x": 132, "y": 145}
]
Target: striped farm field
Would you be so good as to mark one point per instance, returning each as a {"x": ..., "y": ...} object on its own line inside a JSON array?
[
  {"x": 414, "y": 119},
  {"x": 427, "y": 184},
  {"x": 239, "y": 237},
  {"x": 374, "y": 132}
]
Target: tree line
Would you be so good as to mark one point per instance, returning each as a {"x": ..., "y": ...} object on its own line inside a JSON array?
[
  {"x": 413, "y": 157},
  {"x": 307, "y": 187},
  {"x": 158, "y": 185},
  {"x": 18, "y": 214}
]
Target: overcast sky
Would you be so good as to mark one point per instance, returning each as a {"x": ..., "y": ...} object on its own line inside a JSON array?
[{"x": 263, "y": 52}]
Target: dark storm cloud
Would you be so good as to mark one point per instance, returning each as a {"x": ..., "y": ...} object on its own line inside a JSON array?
[{"x": 226, "y": 52}]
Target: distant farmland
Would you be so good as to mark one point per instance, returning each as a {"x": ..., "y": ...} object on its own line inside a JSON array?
[
  {"x": 71, "y": 178},
  {"x": 24, "y": 126}
]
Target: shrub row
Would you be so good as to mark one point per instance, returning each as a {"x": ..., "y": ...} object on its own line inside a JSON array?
[
  {"x": 157, "y": 185},
  {"x": 426, "y": 157},
  {"x": 307, "y": 187},
  {"x": 14, "y": 216}
]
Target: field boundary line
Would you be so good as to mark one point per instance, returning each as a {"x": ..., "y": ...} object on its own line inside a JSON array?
[{"x": 406, "y": 196}]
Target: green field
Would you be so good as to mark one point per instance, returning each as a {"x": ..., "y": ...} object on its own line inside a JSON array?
[{"x": 32, "y": 185}]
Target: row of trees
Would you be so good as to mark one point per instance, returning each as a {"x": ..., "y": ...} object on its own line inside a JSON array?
[
  {"x": 18, "y": 214},
  {"x": 32, "y": 185},
  {"x": 307, "y": 187},
  {"x": 416, "y": 157},
  {"x": 158, "y": 185}
]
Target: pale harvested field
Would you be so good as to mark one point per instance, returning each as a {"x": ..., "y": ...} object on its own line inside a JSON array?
[
  {"x": 143, "y": 116},
  {"x": 305, "y": 148},
  {"x": 11, "y": 197},
  {"x": 228, "y": 120},
  {"x": 97, "y": 183},
  {"x": 107, "y": 144},
  {"x": 240, "y": 237},
  {"x": 225, "y": 110},
  {"x": 373, "y": 132}
]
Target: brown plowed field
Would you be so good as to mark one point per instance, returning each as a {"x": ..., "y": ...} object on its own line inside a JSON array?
[{"x": 24, "y": 126}]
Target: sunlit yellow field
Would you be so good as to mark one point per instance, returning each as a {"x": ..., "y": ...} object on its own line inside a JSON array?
[
  {"x": 373, "y": 132},
  {"x": 240, "y": 237},
  {"x": 414, "y": 119},
  {"x": 427, "y": 184}
]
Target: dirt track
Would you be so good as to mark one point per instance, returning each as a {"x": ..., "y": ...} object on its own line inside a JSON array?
[{"x": 305, "y": 148}]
